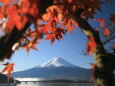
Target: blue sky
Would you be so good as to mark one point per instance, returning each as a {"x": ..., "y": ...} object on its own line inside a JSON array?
[{"x": 68, "y": 49}]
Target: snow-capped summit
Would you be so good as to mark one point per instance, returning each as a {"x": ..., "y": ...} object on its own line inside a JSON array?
[
  {"x": 56, "y": 62},
  {"x": 56, "y": 68}
]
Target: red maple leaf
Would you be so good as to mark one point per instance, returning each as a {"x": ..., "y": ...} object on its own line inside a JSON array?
[
  {"x": 2, "y": 13},
  {"x": 31, "y": 45},
  {"x": 101, "y": 22},
  {"x": 69, "y": 25},
  {"x": 92, "y": 69},
  {"x": 9, "y": 69},
  {"x": 6, "y": 2},
  {"x": 56, "y": 34},
  {"x": 106, "y": 32},
  {"x": 45, "y": 28},
  {"x": 15, "y": 19},
  {"x": 50, "y": 37},
  {"x": 91, "y": 45},
  {"x": 93, "y": 66}
]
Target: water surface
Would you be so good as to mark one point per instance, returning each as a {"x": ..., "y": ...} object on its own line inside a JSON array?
[
  {"x": 49, "y": 84},
  {"x": 55, "y": 84}
]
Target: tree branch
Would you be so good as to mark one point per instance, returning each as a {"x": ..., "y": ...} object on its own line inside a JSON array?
[
  {"x": 89, "y": 31},
  {"x": 104, "y": 62},
  {"x": 8, "y": 40},
  {"x": 107, "y": 41}
]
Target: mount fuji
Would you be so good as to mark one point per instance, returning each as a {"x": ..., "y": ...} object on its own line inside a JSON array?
[
  {"x": 57, "y": 62},
  {"x": 56, "y": 68}
]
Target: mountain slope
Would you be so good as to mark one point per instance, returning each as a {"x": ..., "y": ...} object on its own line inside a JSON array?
[
  {"x": 57, "y": 62},
  {"x": 56, "y": 68}
]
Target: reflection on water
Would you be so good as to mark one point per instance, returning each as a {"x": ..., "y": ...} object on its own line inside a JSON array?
[{"x": 55, "y": 84}]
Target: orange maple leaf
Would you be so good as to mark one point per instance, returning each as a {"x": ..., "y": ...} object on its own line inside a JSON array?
[
  {"x": 9, "y": 69},
  {"x": 14, "y": 19},
  {"x": 2, "y": 13},
  {"x": 50, "y": 37},
  {"x": 91, "y": 45},
  {"x": 56, "y": 34},
  {"x": 77, "y": 25},
  {"x": 6, "y": 2},
  {"x": 31, "y": 45},
  {"x": 106, "y": 32},
  {"x": 93, "y": 66},
  {"x": 45, "y": 28},
  {"x": 101, "y": 22},
  {"x": 92, "y": 69},
  {"x": 69, "y": 27},
  {"x": 30, "y": 8}
]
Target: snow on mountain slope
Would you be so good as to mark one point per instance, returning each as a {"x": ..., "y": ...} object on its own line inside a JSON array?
[
  {"x": 56, "y": 68},
  {"x": 57, "y": 62}
]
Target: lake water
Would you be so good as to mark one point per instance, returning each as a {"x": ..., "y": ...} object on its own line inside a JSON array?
[
  {"x": 52, "y": 84},
  {"x": 56, "y": 84}
]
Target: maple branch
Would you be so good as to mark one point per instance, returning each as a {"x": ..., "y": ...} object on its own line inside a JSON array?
[
  {"x": 112, "y": 36},
  {"x": 107, "y": 41},
  {"x": 104, "y": 62},
  {"x": 8, "y": 40},
  {"x": 83, "y": 53},
  {"x": 112, "y": 32},
  {"x": 27, "y": 41},
  {"x": 88, "y": 30}
]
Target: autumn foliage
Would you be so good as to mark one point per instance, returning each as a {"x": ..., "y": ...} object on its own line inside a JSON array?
[
  {"x": 52, "y": 18},
  {"x": 57, "y": 18},
  {"x": 8, "y": 69}
]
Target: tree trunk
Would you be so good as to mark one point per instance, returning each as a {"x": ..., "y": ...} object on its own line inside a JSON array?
[
  {"x": 104, "y": 62},
  {"x": 104, "y": 68},
  {"x": 8, "y": 40}
]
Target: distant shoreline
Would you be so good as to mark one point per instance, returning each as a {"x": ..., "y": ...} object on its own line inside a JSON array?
[{"x": 61, "y": 81}]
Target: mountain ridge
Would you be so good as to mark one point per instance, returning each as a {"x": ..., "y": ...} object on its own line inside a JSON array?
[{"x": 56, "y": 68}]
